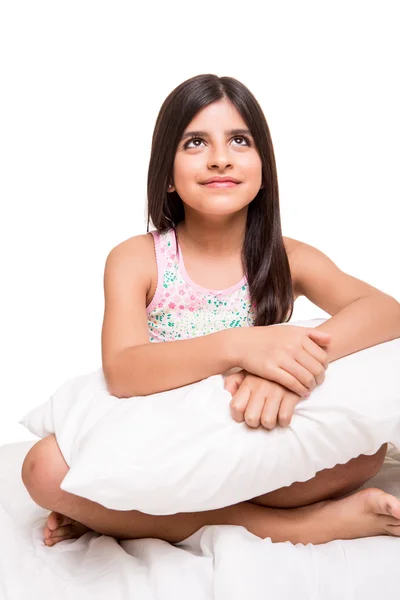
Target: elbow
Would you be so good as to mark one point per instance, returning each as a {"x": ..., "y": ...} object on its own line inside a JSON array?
[
  {"x": 112, "y": 388},
  {"x": 114, "y": 392},
  {"x": 115, "y": 386}
]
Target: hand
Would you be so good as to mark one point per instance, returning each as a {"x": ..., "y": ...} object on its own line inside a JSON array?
[
  {"x": 286, "y": 354},
  {"x": 259, "y": 401}
]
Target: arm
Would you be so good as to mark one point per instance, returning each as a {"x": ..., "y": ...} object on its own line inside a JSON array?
[
  {"x": 362, "y": 315},
  {"x": 132, "y": 365},
  {"x": 366, "y": 322},
  {"x": 156, "y": 367}
]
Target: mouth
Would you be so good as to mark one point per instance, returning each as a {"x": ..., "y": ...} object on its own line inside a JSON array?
[{"x": 221, "y": 184}]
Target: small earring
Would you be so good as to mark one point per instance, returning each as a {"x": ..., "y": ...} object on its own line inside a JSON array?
[{"x": 170, "y": 186}]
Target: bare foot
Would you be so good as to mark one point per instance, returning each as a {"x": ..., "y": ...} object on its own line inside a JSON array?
[
  {"x": 60, "y": 527},
  {"x": 367, "y": 513}
]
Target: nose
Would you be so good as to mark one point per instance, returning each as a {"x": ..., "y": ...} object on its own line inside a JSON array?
[{"x": 219, "y": 157}]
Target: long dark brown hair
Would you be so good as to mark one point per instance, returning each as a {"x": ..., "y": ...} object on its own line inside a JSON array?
[{"x": 264, "y": 257}]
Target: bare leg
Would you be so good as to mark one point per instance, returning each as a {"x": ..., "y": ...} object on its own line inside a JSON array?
[
  {"x": 327, "y": 484},
  {"x": 369, "y": 512}
]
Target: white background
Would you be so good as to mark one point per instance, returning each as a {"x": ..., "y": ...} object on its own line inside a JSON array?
[{"x": 81, "y": 86}]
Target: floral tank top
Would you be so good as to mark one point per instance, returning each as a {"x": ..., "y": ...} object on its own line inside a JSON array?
[{"x": 181, "y": 309}]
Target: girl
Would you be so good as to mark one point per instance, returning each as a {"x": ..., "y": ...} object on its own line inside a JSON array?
[{"x": 210, "y": 280}]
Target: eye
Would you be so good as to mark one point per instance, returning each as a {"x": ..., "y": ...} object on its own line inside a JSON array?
[
  {"x": 193, "y": 139},
  {"x": 237, "y": 137},
  {"x": 243, "y": 137}
]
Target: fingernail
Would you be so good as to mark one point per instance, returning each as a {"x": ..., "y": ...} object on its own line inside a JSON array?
[{"x": 306, "y": 395}]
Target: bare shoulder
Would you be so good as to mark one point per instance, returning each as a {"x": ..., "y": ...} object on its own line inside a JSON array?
[
  {"x": 136, "y": 254},
  {"x": 136, "y": 241},
  {"x": 290, "y": 245}
]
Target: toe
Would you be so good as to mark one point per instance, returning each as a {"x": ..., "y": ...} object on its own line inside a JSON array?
[
  {"x": 392, "y": 506},
  {"x": 56, "y": 520},
  {"x": 49, "y": 542},
  {"x": 62, "y": 531},
  {"x": 55, "y": 540},
  {"x": 53, "y": 520},
  {"x": 384, "y": 504}
]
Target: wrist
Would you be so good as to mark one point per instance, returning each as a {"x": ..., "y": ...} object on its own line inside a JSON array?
[{"x": 232, "y": 347}]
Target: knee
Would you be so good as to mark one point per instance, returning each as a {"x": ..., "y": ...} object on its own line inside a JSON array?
[{"x": 43, "y": 470}]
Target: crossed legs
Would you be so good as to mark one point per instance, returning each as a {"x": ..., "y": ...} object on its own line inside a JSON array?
[{"x": 271, "y": 515}]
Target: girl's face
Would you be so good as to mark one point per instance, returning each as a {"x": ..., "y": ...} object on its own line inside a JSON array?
[{"x": 216, "y": 151}]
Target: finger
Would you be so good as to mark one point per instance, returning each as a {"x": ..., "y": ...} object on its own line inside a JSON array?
[
  {"x": 320, "y": 337},
  {"x": 239, "y": 403},
  {"x": 297, "y": 370},
  {"x": 270, "y": 412},
  {"x": 312, "y": 365},
  {"x": 283, "y": 375},
  {"x": 232, "y": 382},
  {"x": 254, "y": 408},
  {"x": 286, "y": 409},
  {"x": 316, "y": 351}
]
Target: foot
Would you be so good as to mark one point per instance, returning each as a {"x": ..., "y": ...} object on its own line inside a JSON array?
[
  {"x": 60, "y": 527},
  {"x": 367, "y": 513}
]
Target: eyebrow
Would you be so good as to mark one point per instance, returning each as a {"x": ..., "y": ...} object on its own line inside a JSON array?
[{"x": 206, "y": 135}]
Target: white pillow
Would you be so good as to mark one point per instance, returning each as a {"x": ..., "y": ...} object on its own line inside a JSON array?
[{"x": 181, "y": 451}]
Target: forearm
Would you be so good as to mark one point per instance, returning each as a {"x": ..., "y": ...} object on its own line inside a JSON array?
[
  {"x": 366, "y": 322},
  {"x": 156, "y": 367}
]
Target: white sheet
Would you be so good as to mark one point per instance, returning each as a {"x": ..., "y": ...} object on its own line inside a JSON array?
[{"x": 217, "y": 562}]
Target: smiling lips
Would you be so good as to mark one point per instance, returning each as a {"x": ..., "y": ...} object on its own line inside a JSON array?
[{"x": 221, "y": 182}]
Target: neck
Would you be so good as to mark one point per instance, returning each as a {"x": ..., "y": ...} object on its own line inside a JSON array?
[{"x": 214, "y": 239}]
